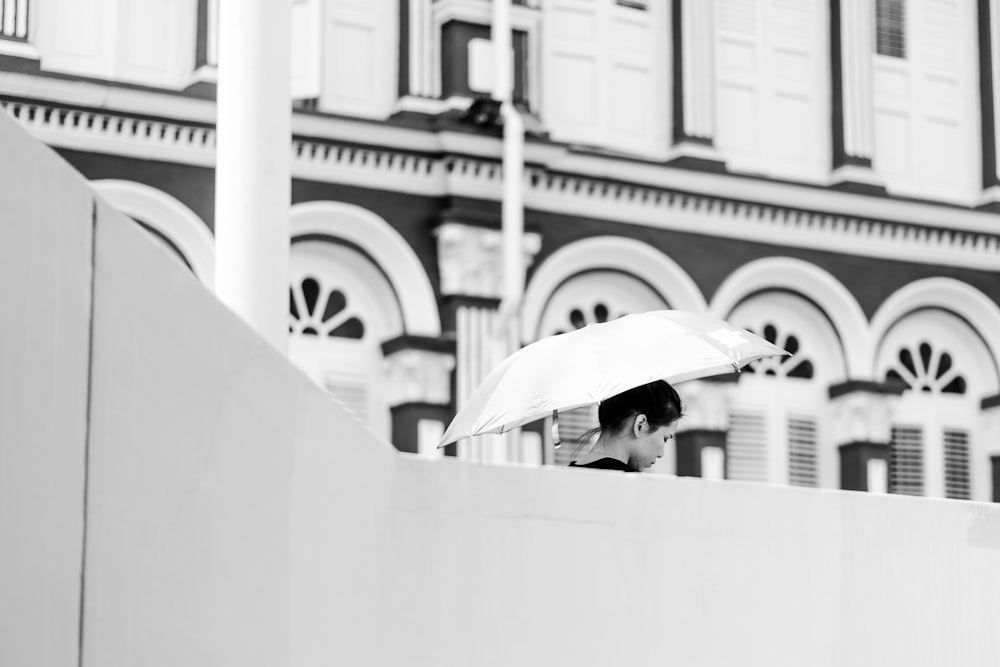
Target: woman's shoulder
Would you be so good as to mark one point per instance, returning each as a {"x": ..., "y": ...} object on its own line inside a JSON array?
[{"x": 602, "y": 463}]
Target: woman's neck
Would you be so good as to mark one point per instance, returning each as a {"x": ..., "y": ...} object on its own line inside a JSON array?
[{"x": 611, "y": 447}]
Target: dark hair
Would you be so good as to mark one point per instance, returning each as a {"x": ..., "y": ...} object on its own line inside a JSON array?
[{"x": 657, "y": 400}]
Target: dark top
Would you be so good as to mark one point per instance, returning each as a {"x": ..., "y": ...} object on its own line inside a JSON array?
[{"x": 607, "y": 463}]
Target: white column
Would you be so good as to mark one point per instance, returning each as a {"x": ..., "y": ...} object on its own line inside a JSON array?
[{"x": 252, "y": 183}]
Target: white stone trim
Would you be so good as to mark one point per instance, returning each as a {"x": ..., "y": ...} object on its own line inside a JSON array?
[
  {"x": 947, "y": 294},
  {"x": 612, "y": 253},
  {"x": 418, "y": 376},
  {"x": 168, "y": 216},
  {"x": 852, "y": 173},
  {"x": 812, "y": 282},
  {"x": 644, "y": 193},
  {"x": 11, "y": 47},
  {"x": 385, "y": 246}
]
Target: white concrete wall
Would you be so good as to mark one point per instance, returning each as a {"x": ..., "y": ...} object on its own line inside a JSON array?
[{"x": 236, "y": 516}]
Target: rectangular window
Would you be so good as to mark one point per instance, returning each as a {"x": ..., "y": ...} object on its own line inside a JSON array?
[
  {"x": 956, "y": 465},
  {"x": 906, "y": 461},
  {"x": 14, "y": 20},
  {"x": 890, "y": 28}
]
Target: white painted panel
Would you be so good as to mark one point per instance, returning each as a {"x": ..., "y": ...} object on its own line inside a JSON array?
[
  {"x": 573, "y": 92},
  {"x": 354, "y": 65},
  {"x": 359, "y": 48},
  {"x": 792, "y": 131},
  {"x": 736, "y": 56},
  {"x": 877, "y": 472},
  {"x": 738, "y": 128},
  {"x": 892, "y": 84},
  {"x": 775, "y": 52},
  {"x": 306, "y": 54},
  {"x": 77, "y": 36},
  {"x": 943, "y": 154},
  {"x": 45, "y": 277},
  {"x": 604, "y": 74},
  {"x": 630, "y": 105},
  {"x": 155, "y": 37},
  {"x": 936, "y": 88},
  {"x": 429, "y": 432},
  {"x": 480, "y": 60},
  {"x": 893, "y": 158}
]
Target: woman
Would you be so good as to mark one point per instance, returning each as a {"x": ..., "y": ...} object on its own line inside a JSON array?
[{"x": 633, "y": 428}]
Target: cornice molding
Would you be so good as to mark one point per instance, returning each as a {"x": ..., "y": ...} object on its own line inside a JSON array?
[{"x": 642, "y": 193}]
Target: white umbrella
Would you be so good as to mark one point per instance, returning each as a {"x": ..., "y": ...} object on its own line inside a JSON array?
[{"x": 596, "y": 362}]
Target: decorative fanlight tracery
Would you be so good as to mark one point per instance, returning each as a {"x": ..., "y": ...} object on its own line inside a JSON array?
[
  {"x": 316, "y": 310},
  {"x": 577, "y": 318},
  {"x": 797, "y": 366},
  {"x": 927, "y": 369}
]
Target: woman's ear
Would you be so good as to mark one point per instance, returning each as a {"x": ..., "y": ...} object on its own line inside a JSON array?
[{"x": 640, "y": 425}]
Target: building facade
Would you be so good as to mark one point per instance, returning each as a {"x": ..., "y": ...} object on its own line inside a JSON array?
[{"x": 821, "y": 172}]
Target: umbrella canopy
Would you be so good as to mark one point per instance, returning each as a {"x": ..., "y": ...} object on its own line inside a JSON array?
[{"x": 598, "y": 361}]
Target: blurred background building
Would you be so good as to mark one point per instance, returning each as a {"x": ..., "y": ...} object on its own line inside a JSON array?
[{"x": 821, "y": 172}]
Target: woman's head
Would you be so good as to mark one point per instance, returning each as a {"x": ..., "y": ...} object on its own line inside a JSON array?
[{"x": 641, "y": 420}]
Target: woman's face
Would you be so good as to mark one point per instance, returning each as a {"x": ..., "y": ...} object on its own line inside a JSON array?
[{"x": 648, "y": 445}]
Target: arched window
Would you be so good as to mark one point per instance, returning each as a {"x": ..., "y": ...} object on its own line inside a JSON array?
[
  {"x": 944, "y": 367},
  {"x": 341, "y": 309},
  {"x": 776, "y": 413},
  {"x": 594, "y": 296}
]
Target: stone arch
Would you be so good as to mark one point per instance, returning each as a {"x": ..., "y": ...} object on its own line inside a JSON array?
[
  {"x": 611, "y": 253},
  {"x": 946, "y": 294},
  {"x": 169, "y": 217},
  {"x": 386, "y": 247},
  {"x": 813, "y": 283}
]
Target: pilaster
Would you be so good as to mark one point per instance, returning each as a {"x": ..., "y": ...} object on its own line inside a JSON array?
[
  {"x": 701, "y": 433},
  {"x": 853, "y": 116},
  {"x": 693, "y": 89},
  {"x": 418, "y": 381},
  {"x": 861, "y": 422}
]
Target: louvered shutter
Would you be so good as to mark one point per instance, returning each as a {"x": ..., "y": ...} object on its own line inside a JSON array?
[
  {"x": 956, "y": 464},
  {"x": 802, "y": 468},
  {"x": 746, "y": 446},
  {"x": 906, "y": 461}
]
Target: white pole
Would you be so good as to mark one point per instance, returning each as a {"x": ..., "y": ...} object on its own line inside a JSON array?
[
  {"x": 252, "y": 181},
  {"x": 512, "y": 204}
]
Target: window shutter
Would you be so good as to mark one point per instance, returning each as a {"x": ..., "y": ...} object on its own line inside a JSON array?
[
  {"x": 746, "y": 446},
  {"x": 306, "y": 25},
  {"x": 906, "y": 461},
  {"x": 890, "y": 28},
  {"x": 573, "y": 95},
  {"x": 802, "y": 451},
  {"x": 956, "y": 464},
  {"x": 358, "y": 61}
]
